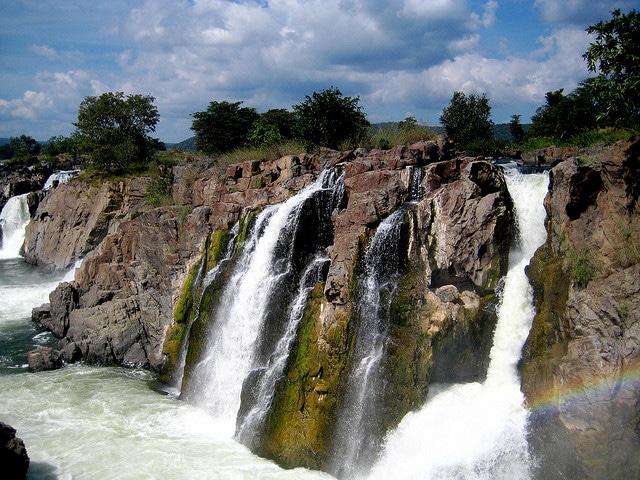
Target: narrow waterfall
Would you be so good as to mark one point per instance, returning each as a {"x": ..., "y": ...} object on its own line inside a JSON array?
[
  {"x": 417, "y": 190},
  {"x": 202, "y": 283},
  {"x": 241, "y": 338},
  {"x": 358, "y": 427},
  {"x": 13, "y": 221},
  {"x": 478, "y": 431}
]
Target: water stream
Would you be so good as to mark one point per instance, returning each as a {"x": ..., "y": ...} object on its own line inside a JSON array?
[{"x": 478, "y": 430}]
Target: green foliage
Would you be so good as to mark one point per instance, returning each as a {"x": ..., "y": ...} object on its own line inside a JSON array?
[
  {"x": 223, "y": 127},
  {"x": 467, "y": 119},
  {"x": 581, "y": 267},
  {"x": 615, "y": 56},
  {"x": 327, "y": 119},
  {"x": 391, "y": 135},
  {"x": 564, "y": 116},
  {"x": 492, "y": 147},
  {"x": 24, "y": 148},
  {"x": 114, "y": 129},
  {"x": 59, "y": 145},
  {"x": 159, "y": 192},
  {"x": 264, "y": 134},
  {"x": 516, "y": 129},
  {"x": 264, "y": 152}
]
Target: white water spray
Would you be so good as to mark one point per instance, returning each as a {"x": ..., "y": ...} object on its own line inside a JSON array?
[
  {"x": 358, "y": 427},
  {"x": 271, "y": 373},
  {"x": 59, "y": 178},
  {"x": 238, "y": 323},
  {"x": 478, "y": 431},
  {"x": 13, "y": 221}
]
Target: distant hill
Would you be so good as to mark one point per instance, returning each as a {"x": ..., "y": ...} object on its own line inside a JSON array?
[{"x": 188, "y": 145}]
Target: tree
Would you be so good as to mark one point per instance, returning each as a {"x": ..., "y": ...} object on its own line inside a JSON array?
[
  {"x": 516, "y": 129},
  {"x": 223, "y": 127},
  {"x": 115, "y": 129},
  {"x": 615, "y": 56},
  {"x": 24, "y": 147},
  {"x": 273, "y": 127},
  {"x": 328, "y": 119},
  {"x": 565, "y": 115},
  {"x": 58, "y": 145},
  {"x": 467, "y": 119}
]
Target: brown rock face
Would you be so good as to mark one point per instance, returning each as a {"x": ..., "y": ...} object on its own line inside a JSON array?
[{"x": 580, "y": 364}]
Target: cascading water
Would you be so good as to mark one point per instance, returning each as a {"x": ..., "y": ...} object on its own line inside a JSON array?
[
  {"x": 13, "y": 221},
  {"x": 358, "y": 427},
  {"x": 270, "y": 374},
  {"x": 235, "y": 344},
  {"x": 478, "y": 431},
  {"x": 59, "y": 178}
]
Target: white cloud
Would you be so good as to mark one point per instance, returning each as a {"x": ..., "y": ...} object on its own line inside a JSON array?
[{"x": 53, "y": 55}]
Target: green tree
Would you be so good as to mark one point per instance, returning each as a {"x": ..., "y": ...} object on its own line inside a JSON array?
[
  {"x": 328, "y": 119},
  {"x": 114, "y": 129},
  {"x": 59, "y": 144},
  {"x": 273, "y": 127},
  {"x": 467, "y": 119},
  {"x": 24, "y": 148},
  {"x": 565, "y": 115},
  {"x": 615, "y": 57},
  {"x": 223, "y": 127},
  {"x": 516, "y": 129}
]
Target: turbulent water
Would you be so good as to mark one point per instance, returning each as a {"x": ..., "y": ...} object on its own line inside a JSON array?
[
  {"x": 105, "y": 423},
  {"x": 474, "y": 430}
]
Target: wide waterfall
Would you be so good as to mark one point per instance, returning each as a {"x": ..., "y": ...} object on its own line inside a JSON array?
[
  {"x": 358, "y": 428},
  {"x": 242, "y": 345},
  {"x": 474, "y": 430},
  {"x": 13, "y": 221}
]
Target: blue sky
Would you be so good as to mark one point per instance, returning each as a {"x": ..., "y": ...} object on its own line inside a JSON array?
[{"x": 402, "y": 58}]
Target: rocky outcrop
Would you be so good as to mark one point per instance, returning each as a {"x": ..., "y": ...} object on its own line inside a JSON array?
[
  {"x": 74, "y": 218},
  {"x": 22, "y": 181},
  {"x": 135, "y": 296},
  {"x": 581, "y": 361},
  {"x": 13, "y": 454},
  {"x": 43, "y": 358}
]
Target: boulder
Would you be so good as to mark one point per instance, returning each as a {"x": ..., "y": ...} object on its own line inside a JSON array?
[
  {"x": 13, "y": 454},
  {"x": 44, "y": 358}
]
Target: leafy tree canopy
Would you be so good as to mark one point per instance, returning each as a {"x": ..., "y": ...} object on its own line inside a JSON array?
[
  {"x": 615, "y": 57},
  {"x": 223, "y": 127},
  {"x": 516, "y": 129},
  {"x": 565, "y": 115},
  {"x": 114, "y": 128},
  {"x": 24, "y": 147},
  {"x": 467, "y": 119},
  {"x": 328, "y": 119}
]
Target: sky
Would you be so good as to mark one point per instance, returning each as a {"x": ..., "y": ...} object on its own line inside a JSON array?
[{"x": 401, "y": 58}]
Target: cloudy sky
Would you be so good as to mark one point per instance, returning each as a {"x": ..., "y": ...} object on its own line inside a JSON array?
[{"x": 402, "y": 57}]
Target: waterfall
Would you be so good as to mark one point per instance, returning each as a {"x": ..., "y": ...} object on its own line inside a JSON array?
[
  {"x": 239, "y": 335},
  {"x": 417, "y": 190},
  {"x": 358, "y": 428},
  {"x": 271, "y": 373},
  {"x": 13, "y": 221},
  {"x": 59, "y": 178},
  {"x": 478, "y": 431}
]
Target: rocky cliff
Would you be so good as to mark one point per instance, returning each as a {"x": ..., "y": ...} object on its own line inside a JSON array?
[
  {"x": 581, "y": 363},
  {"x": 138, "y": 298}
]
